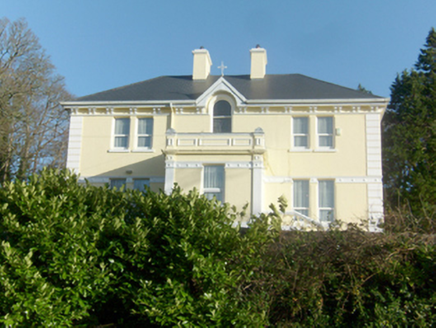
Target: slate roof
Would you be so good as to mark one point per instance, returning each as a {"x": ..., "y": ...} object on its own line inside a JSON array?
[{"x": 273, "y": 86}]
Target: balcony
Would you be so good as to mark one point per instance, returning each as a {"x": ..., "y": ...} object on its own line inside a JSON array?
[{"x": 215, "y": 143}]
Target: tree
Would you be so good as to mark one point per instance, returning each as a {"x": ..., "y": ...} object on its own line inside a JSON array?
[
  {"x": 409, "y": 135},
  {"x": 362, "y": 89},
  {"x": 33, "y": 127}
]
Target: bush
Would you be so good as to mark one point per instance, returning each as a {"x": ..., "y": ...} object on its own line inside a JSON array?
[
  {"x": 81, "y": 255},
  {"x": 77, "y": 255}
]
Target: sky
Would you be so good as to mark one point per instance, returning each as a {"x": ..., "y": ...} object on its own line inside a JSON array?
[{"x": 102, "y": 44}]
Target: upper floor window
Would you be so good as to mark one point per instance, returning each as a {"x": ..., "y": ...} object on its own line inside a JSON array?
[
  {"x": 301, "y": 132},
  {"x": 145, "y": 132},
  {"x": 222, "y": 117},
  {"x": 326, "y": 196},
  {"x": 121, "y": 133},
  {"x": 325, "y": 132},
  {"x": 214, "y": 182}
]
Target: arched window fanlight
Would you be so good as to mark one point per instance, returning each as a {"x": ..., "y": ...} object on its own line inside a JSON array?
[{"x": 222, "y": 117}]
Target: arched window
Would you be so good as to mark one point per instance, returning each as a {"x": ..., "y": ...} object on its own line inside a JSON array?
[{"x": 222, "y": 117}]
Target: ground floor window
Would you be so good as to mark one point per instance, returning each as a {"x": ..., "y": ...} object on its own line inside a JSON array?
[
  {"x": 326, "y": 190},
  {"x": 141, "y": 184},
  {"x": 301, "y": 196},
  {"x": 214, "y": 182},
  {"x": 117, "y": 183}
]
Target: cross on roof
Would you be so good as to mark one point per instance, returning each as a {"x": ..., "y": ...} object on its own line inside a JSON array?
[{"x": 222, "y": 67}]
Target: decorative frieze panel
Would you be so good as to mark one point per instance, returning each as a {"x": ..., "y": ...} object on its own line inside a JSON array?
[{"x": 217, "y": 143}]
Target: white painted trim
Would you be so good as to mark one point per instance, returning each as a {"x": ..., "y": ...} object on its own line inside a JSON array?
[
  {"x": 129, "y": 179},
  {"x": 283, "y": 179},
  {"x": 350, "y": 102},
  {"x": 198, "y": 164},
  {"x": 169, "y": 176},
  {"x": 257, "y": 189},
  {"x": 221, "y": 85},
  {"x": 74, "y": 143}
]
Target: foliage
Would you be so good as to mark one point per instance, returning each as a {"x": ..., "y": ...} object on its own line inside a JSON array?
[
  {"x": 33, "y": 127},
  {"x": 78, "y": 255},
  {"x": 409, "y": 136},
  {"x": 351, "y": 279},
  {"x": 363, "y": 89}
]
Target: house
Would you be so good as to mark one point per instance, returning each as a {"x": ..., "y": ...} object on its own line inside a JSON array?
[{"x": 239, "y": 138}]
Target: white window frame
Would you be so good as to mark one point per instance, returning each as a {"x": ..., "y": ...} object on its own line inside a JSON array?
[
  {"x": 115, "y": 135},
  {"x": 301, "y": 209},
  {"x": 295, "y": 134},
  {"x": 323, "y": 134},
  {"x": 214, "y": 190},
  {"x": 148, "y": 135},
  {"x": 227, "y": 118},
  {"x": 210, "y": 108},
  {"x": 322, "y": 209}
]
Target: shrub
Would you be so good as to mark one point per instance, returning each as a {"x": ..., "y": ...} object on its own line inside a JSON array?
[{"x": 81, "y": 255}]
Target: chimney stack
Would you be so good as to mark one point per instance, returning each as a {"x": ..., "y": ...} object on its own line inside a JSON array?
[
  {"x": 258, "y": 63},
  {"x": 202, "y": 64}
]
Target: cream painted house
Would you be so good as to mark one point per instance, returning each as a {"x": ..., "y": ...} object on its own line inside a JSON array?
[{"x": 242, "y": 139}]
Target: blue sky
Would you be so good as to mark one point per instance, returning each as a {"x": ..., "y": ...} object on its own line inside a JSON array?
[{"x": 101, "y": 44}]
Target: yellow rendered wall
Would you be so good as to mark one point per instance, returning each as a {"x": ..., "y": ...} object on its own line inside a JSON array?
[
  {"x": 351, "y": 202},
  {"x": 98, "y": 160},
  {"x": 238, "y": 187},
  {"x": 189, "y": 179},
  {"x": 348, "y": 159},
  {"x": 192, "y": 123}
]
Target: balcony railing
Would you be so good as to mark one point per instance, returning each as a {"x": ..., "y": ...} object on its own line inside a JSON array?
[{"x": 215, "y": 143}]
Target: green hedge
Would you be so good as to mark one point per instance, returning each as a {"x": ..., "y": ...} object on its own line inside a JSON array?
[{"x": 74, "y": 255}]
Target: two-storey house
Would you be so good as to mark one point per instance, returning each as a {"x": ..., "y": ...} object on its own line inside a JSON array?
[{"x": 242, "y": 139}]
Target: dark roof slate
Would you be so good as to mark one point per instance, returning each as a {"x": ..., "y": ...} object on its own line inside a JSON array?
[{"x": 280, "y": 86}]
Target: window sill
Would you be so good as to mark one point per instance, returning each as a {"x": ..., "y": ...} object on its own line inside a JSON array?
[
  {"x": 144, "y": 150},
  {"x": 300, "y": 150},
  {"x": 118, "y": 151},
  {"x": 325, "y": 150}
]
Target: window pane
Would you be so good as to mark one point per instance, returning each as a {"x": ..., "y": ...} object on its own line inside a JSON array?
[
  {"x": 121, "y": 142},
  {"x": 139, "y": 184},
  {"x": 300, "y": 141},
  {"x": 144, "y": 142},
  {"x": 222, "y": 125},
  {"x": 222, "y": 108},
  {"x": 145, "y": 126},
  {"x": 326, "y": 215},
  {"x": 122, "y": 126},
  {"x": 301, "y": 193},
  {"x": 301, "y": 125},
  {"x": 326, "y": 141},
  {"x": 326, "y": 193},
  {"x": 214, "y": 177},
  {"x": 325, "y": 125},
  {"x": 117, "y": 183}
]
